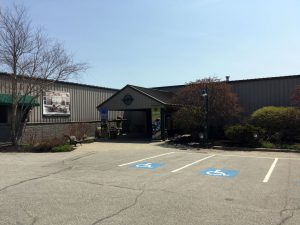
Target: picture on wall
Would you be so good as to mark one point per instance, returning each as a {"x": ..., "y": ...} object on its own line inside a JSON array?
[{"x": 56, "y": 103}]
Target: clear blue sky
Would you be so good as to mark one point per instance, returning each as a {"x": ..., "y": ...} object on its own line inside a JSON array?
[{"x": 169, "y": 42}]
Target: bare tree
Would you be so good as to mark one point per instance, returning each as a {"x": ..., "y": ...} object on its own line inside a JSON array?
[{"x": 33, "y": 63}]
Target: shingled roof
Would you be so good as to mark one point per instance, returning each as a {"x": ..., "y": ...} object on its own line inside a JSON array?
[{"x": 164, "y": 97}]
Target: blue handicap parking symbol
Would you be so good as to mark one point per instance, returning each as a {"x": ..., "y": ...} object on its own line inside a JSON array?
[
  {"x": 219, "y": 172},
  {"x": 147, "y": 165}
]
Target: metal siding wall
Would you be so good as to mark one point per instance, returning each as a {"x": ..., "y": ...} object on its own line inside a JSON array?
[
  {"x": 5, "y": 85},
  {"x": 259, "y": 93},
  {"x": 84, "y": 101}
]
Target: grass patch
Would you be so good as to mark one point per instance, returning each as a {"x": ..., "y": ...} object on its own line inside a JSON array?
[
  {"x": 267, "y": 144},
  {"x": 293, "y": 146},
  {"x": 63, "y": 148},
  {"x": 261, "y": 144}
]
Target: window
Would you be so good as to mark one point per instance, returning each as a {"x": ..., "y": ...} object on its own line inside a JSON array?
[{"x": 3, "y": 114}]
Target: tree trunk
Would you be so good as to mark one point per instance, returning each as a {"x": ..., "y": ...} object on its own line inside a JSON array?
[
  {"x": 14, "y": 109},
  {"x": 14, "y": 138}
]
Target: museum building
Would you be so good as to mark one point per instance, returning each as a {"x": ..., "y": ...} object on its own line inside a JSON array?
[{"x": 142, "y": 111}]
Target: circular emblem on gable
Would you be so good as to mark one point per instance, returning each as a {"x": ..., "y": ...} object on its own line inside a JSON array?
[{"x": 127, "y": 99}]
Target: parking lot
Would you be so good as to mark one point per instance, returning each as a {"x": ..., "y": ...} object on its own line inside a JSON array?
[{"x": 149, "y": 183}]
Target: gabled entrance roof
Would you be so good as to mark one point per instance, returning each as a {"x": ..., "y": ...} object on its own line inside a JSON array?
[{"x": 133, "y": 97}]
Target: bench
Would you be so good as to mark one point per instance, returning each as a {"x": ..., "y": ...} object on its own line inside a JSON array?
[
  {"x": 89, "y": 139},
  {"x": 73, "y": 140}
]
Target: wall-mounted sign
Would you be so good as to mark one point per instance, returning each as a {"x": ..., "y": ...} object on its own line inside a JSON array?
[
  {"x": 156, "y": 130},
  {"x": 104, "y": 114},
  {"x": 127, "y": 99},
  {"x": 56, "y": 103}
]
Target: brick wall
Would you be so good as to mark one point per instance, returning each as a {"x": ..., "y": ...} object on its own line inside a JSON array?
[{"x": 48, "y": 132}]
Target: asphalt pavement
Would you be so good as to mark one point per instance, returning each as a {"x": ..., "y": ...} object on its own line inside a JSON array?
[{"x": 149, "y": 183}]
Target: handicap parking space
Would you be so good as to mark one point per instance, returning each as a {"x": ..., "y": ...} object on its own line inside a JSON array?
[
  {"x": 210, "y": 168},
  {"x": 163, "y": 163},
  {"x": 199, "y": 164},
  {"x": 203, "y": 164},
  {"x": 221, "y": 178}
]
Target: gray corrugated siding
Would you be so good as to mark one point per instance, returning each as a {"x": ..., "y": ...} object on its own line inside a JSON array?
[
  {"x": 257, "y": 93},
  {"x": 83, "y": 104},
  {"x": 254, "y": 94},
  {"x": 84, "y": 100},
  {"x": 4, "y": 85}
]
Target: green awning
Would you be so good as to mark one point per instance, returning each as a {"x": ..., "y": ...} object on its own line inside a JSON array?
[{"x": 6, "y": 99}]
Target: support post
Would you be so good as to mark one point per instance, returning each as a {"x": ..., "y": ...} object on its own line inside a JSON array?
[
  {"x": 206, "y": 131},
  {"x": 163, "y": 123},
  {"x": 206, "y": 115}
]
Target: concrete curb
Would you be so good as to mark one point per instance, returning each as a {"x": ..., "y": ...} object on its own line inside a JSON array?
[{"x": 254, "y": 149}]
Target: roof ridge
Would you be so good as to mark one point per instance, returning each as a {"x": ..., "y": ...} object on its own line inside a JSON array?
[{"x": 72, "y": 83}]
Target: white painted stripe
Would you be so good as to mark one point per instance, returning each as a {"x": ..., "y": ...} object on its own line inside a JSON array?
[
  {"x": 242, "y": 156},
  {"x": 174, "y": 171},
  {"x": 255, "y": 157},
  {"x": 290, "y": 158},
  {"x": 152, "y": 157},
  {"x": 270, "y": 171}
]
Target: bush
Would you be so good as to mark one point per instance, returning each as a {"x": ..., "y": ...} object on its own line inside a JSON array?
[
  {"x": 44, "y": 145},
  {"x": 280, "y": 123},
  {"x": 244, "y": 135},
  {"x": 267, "y": 144},
  {"x": 188, "y": 120}
]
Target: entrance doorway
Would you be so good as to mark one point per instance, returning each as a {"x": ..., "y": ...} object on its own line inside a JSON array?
[{"x": 137, "y": 124}]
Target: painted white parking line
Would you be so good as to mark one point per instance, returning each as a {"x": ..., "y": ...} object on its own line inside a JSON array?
[
  {"x": 255, "y": 157},
  {"x": 174, "y": 171},
  {"x": 267, "y": 177},
  {"x": 152, "y": 157},
  {"x": 243, "y": 156}
]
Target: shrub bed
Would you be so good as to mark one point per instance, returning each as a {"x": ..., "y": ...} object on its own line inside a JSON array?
[
  {"x": 245, "y": 135},
  {"x": 280, "y": 123}
]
